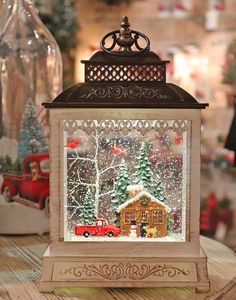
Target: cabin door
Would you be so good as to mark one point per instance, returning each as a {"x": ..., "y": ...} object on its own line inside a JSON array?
[
  {"x": 144, "y": 222},
  {"x": 142, "y": 230}
]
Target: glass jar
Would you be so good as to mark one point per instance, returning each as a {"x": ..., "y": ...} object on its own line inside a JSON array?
[
  {"x": 30, "y": 73},
  {"x": 5, "y": 13}
]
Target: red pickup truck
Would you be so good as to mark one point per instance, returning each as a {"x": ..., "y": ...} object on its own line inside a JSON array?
[
  {"x": 101, "y": 228},
  {"x": 31, "y": 188}
]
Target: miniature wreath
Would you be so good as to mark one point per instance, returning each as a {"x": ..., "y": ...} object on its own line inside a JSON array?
[{"x": 145, "y": 201}]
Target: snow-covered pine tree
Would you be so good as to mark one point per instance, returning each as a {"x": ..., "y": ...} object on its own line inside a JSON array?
[
  {"x": 170, "y": 223},
  {"x": 144, "y": 172},
  {"x": 158, "y": 190},
  {"x": 87, "y": 214},
  {"x": 32, "y": 139},
  {"x": 121, "y": 183}
]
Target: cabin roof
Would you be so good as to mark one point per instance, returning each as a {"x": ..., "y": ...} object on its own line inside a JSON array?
[{"x": 138, "y": 196}]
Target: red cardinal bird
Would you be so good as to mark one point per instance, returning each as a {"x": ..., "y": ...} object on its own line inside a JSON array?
[
  {"x": 179, "y": 5},
  {"x": 73, "y": 145},
  {"x": 117, "y": 151}
]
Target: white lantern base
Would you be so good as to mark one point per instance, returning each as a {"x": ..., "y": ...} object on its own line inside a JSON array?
[{"x": 73, "y": 271}]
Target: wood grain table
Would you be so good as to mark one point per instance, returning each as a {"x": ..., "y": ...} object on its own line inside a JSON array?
[{"x": 21, "y": 264}]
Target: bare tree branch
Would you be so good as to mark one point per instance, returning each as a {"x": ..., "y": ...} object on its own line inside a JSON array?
[
  {"x": 107, "y": 193},
  {"x": 91, "y": 144},
  {"x": 111, "y": 167},
  {"x": 81, "y": 158}
]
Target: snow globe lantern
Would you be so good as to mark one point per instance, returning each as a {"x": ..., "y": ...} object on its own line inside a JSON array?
[{"x": 125, "y": 175}]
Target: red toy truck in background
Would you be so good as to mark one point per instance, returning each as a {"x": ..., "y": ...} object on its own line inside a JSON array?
[
  {"x": 31, "y": 187},
  {"x": 101, "y": 228}
]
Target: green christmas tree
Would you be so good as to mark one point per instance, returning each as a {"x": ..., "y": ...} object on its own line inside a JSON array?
[
  {"x": 144, "y": 172},
  {"x": 229, "y": 72},
  {"x": 121, "y": 193},
  {"x": 158, "y": 190},
  {"x": 5, "y": 164},
  {"x": 60, "y": 16},
  {"x": 16, "y": 166},
  {"x": 32, "y": 139},
  {"x": 87, "y": 214},
  {"x": 170, "y": 223}
]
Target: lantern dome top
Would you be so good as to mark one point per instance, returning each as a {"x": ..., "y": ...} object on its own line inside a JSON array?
[
  {"x": 125, "y": 74},
  {"x": 104, "y": 57}
]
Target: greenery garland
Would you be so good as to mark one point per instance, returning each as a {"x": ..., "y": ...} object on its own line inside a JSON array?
[
  {"x": 145, "y": 201},
  {"x": 61, "y": 20},
  {"x": 60, "y": 17}
]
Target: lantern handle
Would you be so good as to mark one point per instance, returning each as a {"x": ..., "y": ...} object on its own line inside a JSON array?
[{"x": 125, "y": 38}]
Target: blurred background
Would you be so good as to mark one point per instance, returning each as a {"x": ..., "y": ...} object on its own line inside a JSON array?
[{"x": 199, "y": 39}]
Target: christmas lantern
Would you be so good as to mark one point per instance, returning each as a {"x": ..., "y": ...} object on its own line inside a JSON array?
[{"x": 124, "y": 196}]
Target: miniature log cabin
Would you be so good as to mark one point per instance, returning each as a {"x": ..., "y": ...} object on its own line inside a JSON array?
[{"x": 145, "y": 211}]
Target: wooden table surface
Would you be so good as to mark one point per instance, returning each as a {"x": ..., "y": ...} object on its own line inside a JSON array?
[{"x": 21, "y": 264}]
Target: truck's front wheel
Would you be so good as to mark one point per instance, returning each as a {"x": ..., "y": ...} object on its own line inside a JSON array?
[
  {"x": 110, "y": 234},
  {"x": 47, "y": 206},
  {"x": 86, "y": 234},
  {"x": 6, "y": 194}
]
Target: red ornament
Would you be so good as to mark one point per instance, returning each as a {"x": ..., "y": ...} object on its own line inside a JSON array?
[
  {"x": 199, "y": 94},
  {"x": 220, "y": 6},
  {"x": 212, "y": 201},
  {"x": 161, "y": 7},
  {"x": 208, "y": 216},
  {"x": 194, "y": 75},
  {"x": 179, "y": 5},
  {"x": 229, "y": 158}
]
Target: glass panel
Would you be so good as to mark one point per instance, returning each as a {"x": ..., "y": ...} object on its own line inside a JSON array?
[{"x": 133, "y": 174}]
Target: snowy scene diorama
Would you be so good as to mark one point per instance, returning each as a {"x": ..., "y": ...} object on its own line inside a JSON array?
[{"x": 125, "y": 180}]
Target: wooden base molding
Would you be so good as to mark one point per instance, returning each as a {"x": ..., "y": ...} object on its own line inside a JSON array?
[{"x": 72, "y": 271}]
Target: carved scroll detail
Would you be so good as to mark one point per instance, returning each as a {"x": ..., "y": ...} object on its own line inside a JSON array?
[
  {"x": 125, "y": 126},
  {"x": 124, "y": 271},
  {"x": 123, "y": 92}
]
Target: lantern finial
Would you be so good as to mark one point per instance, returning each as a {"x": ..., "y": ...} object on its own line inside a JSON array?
[{"x": 125, "y": 40}]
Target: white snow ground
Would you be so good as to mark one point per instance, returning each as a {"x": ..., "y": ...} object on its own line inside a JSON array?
[{"x": 173, "y": 237}]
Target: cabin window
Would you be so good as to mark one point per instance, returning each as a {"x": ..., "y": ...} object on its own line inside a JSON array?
[
  {"x": 129, "y": 217},
  {"x": 144, "y": 216},
  {"x": 157, "y": 217}
]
